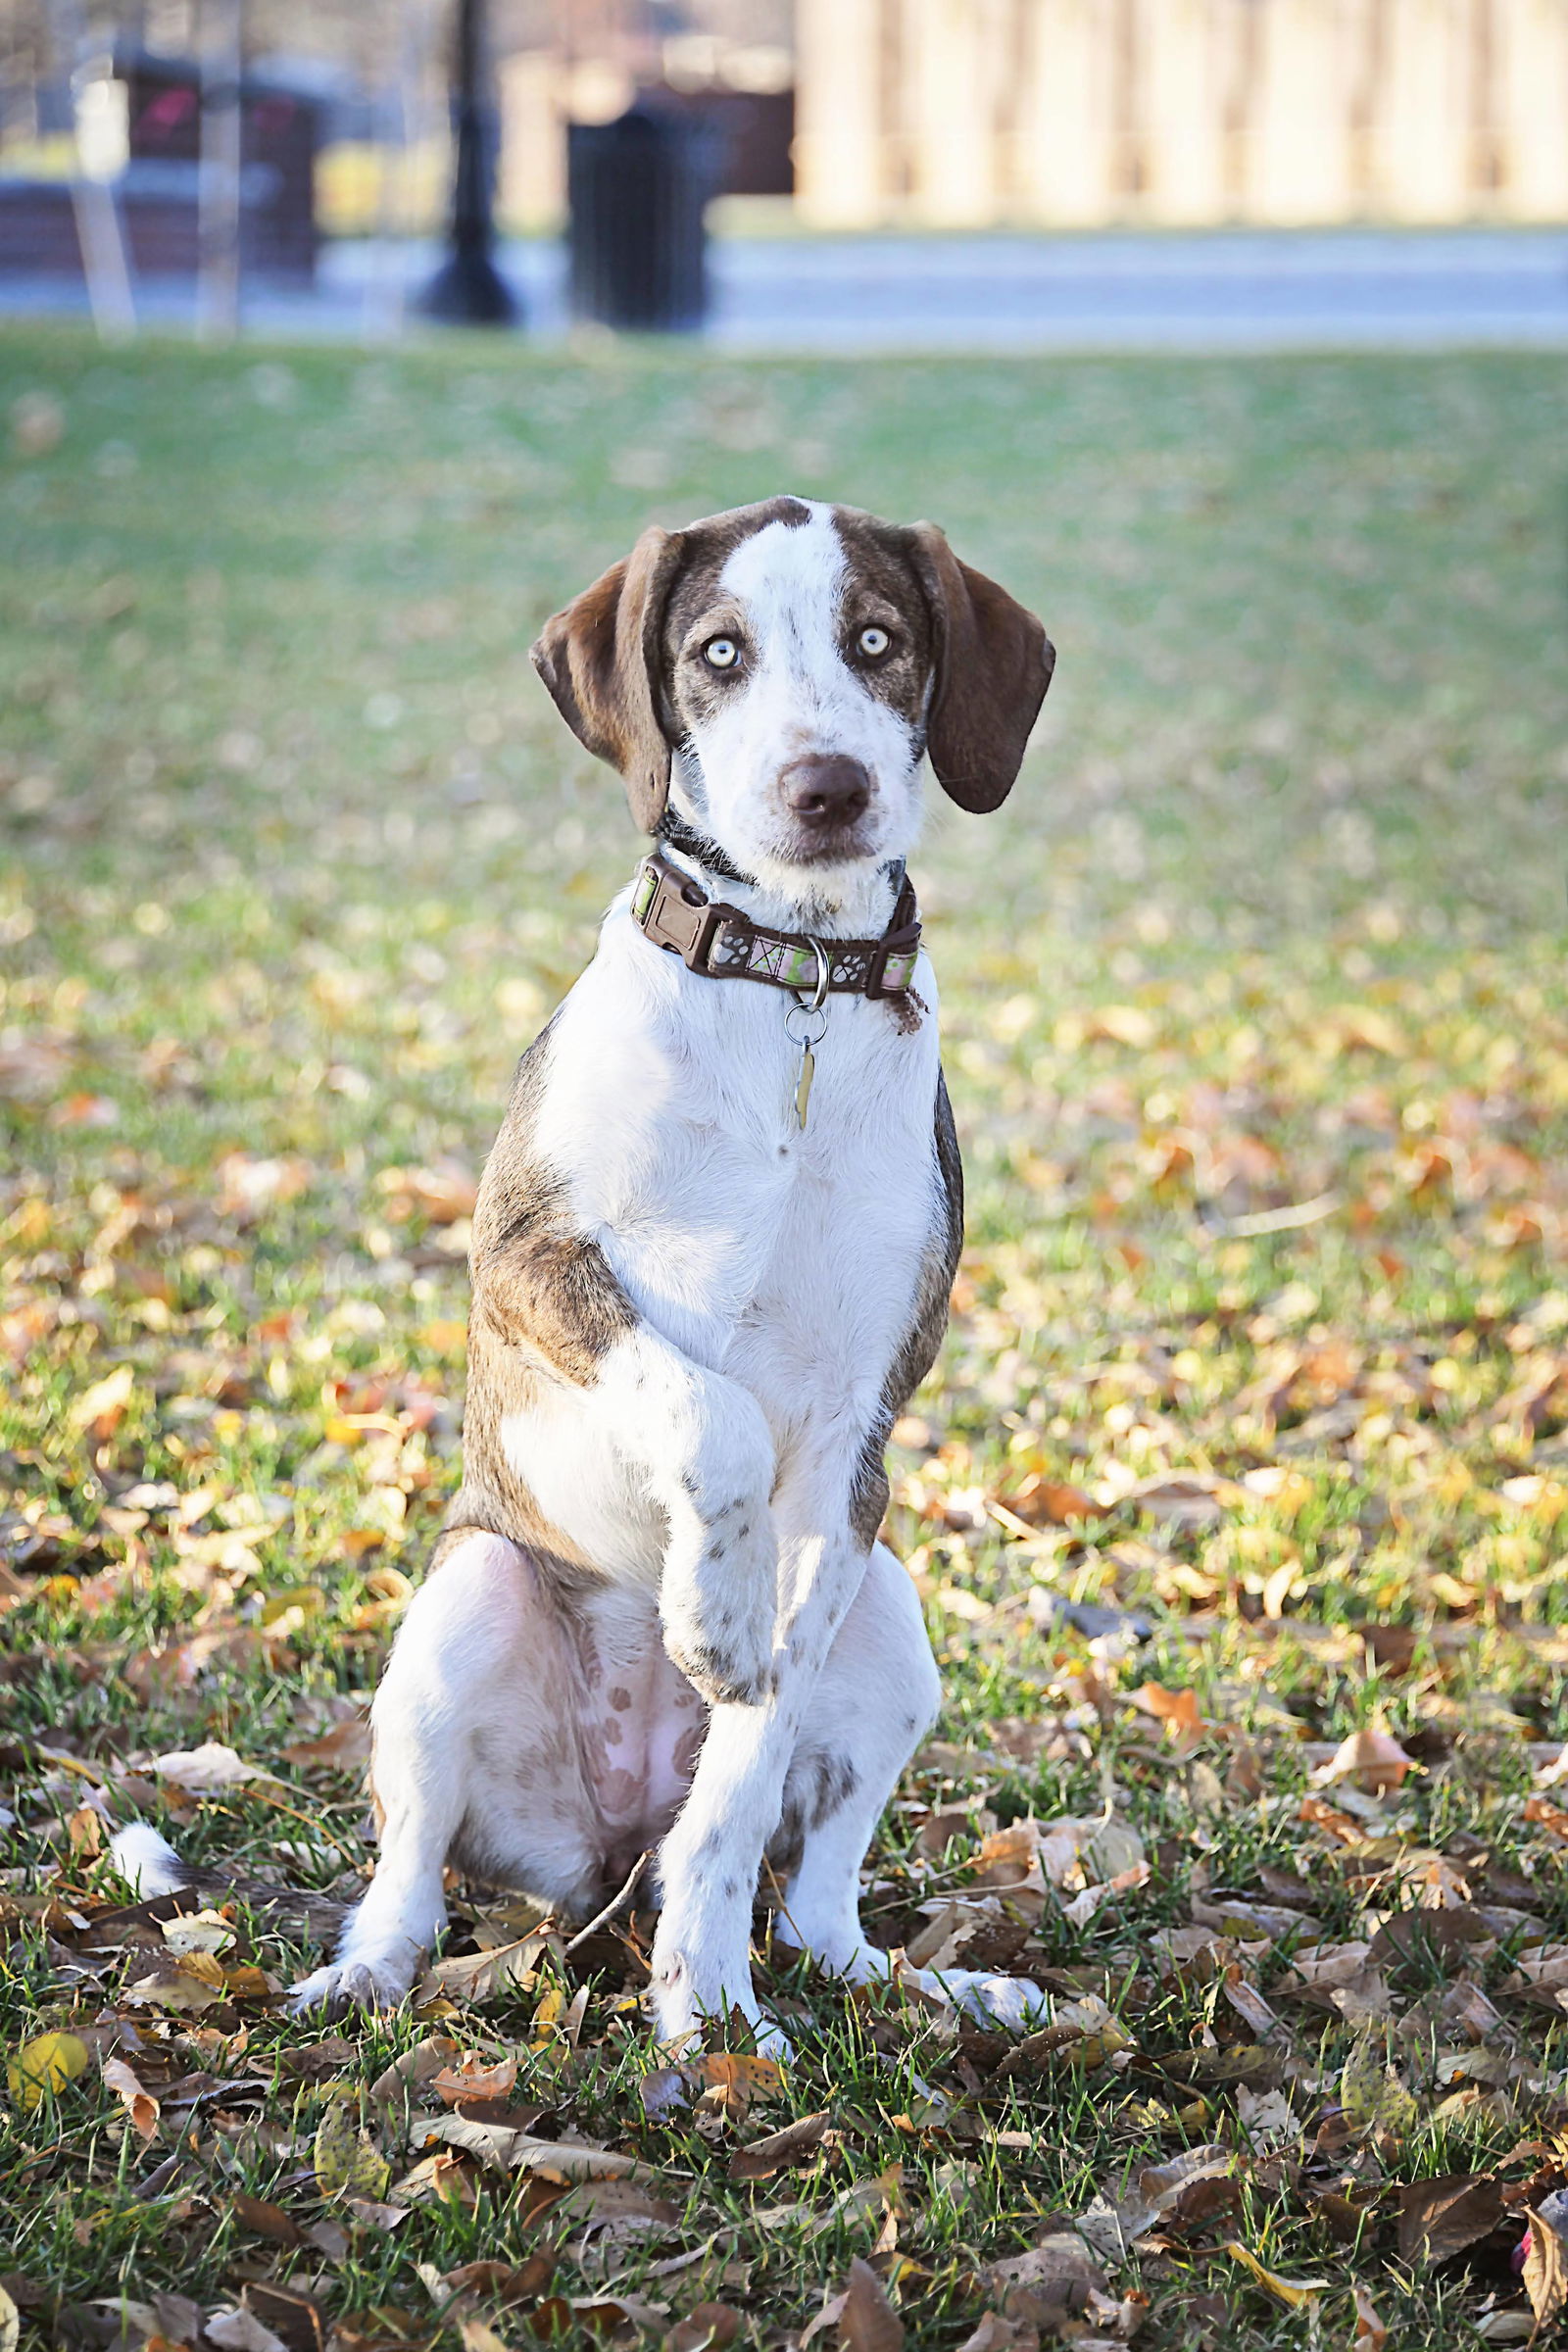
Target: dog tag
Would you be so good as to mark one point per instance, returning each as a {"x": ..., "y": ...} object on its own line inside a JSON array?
[{"x": 803, "y": 1087}]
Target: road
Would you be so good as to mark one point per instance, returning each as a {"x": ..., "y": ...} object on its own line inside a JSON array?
[{"x": 1227, "y": 290}]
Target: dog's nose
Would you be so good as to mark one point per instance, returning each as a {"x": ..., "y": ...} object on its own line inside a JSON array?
[{"x": 825, "y": 790}]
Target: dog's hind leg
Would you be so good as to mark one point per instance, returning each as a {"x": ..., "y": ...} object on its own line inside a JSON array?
[
  {"x": 875, "y": 1697},
  {"x": 473, "y": 1714}
]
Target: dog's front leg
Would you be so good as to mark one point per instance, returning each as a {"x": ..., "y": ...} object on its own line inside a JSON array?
[
  {"x": 709, "y": 1457},
  {"x": 710, "y": 1859}
]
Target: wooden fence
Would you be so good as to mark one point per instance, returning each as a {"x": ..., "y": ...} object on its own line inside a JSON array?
[{"x": 1089, "y": 113}]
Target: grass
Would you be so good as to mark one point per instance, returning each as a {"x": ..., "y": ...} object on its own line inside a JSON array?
[{"x": 297, "y": 858}]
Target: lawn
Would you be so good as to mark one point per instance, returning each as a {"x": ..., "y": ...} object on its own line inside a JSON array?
[{"x": 1238, "y": 1501}]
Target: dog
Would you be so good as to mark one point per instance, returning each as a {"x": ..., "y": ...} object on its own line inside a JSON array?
[{"x": 712, "y": 1258}]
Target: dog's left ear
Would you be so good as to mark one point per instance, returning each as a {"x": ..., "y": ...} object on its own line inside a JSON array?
[
  {"x": 993, "y": 665},
  {"x": 600, "y": 659}
]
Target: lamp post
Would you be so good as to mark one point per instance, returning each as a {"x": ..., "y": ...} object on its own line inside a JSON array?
[{"x": 468, "y": 290}]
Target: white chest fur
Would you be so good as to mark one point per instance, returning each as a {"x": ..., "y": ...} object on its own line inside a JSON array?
[{"x": 789, "y": 1261}]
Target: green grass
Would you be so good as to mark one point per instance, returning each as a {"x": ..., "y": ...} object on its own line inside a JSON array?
[{"x": 297, "y": 858}]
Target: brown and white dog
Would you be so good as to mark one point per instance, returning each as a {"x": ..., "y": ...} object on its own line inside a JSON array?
[{"x": 660, "y": 1615}]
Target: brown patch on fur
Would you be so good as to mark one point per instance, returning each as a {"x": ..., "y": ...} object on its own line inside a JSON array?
[
  {"x": 604, "y": 656},
  {"x": 993, "y": 665},
  {"x": 546, "y": 1308},
  {"x": 599, "y": 658},
  {"x": 918, "y": 1350}
]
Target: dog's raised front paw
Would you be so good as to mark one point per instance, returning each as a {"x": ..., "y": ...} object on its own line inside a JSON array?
[{"x": 720, "y": 1673}]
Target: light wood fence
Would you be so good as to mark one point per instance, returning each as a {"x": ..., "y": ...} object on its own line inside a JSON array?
[{"x": 1088, "y": 113}]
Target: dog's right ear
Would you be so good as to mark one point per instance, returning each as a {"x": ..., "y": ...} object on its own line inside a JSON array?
[{"x": 600, "y": 659}]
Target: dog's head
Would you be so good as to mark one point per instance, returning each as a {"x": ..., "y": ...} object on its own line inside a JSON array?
[{"x": 781, "y": 668}]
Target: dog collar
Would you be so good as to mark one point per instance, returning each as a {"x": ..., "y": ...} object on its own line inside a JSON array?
[{"x": 722, "y": 943}]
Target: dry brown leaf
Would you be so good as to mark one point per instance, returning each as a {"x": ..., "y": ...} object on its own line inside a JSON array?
[
  {"x": 479, "y": 1976},
  {"x": 764, "y": 2158},
  {"x": 267, "y": 2219},
  {"x": 345, "y": 1748},
  {"x": 705, "y": 2327},
  {"x": 868, "y": 2321},
  {"x": 1055, "y": 2274},
  {"x": 1439, "y": 2219},
  {"x": 1545, "y": 2271},
  {"x": 139, "y": 2103},
  {"x": 1371, "y": 2333},
  {"x": 1371, "y": 1761},
  {"x": 413, "y": 2069},
  {"x": 473, "y": 2080}
]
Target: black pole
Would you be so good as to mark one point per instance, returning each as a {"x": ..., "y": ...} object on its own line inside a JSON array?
[{"x": 468, "y": 290}]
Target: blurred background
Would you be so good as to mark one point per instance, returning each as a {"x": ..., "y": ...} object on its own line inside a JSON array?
[{"x": 945, "y": 144}]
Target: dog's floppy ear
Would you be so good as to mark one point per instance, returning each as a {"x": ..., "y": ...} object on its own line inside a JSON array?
[
  {"x": 993, "y": 665},
  {"x": 600, "y": 659}
]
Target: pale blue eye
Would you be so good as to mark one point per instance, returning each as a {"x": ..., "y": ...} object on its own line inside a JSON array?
[
  {"x": 873, "y": 643},
  {"x": 721, "y": 652}
]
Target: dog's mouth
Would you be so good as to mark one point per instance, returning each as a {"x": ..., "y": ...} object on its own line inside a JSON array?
[{"x": 816, "y": 845}]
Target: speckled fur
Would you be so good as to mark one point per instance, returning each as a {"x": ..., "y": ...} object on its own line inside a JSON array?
[{"x": 661, "y": 1615}]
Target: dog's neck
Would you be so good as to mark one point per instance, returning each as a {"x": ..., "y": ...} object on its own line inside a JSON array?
[{"x": 858, "y": 907}]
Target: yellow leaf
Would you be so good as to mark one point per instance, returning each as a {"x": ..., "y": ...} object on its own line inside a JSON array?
[
  {"x": 198, "y": 1931},
  {"x": 100, "y": 1408},
  {"x": 47, "y": 2064},
  {"x": 9, "y": 2323},
  {"x": 347, "y": 2165},
  {"x": 1292, "y": 2292},
  {"x": 1371, "y": 2092}
]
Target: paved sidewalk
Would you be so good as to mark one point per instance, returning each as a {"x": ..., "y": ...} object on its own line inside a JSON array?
[{"x": 1229, "y": 290}]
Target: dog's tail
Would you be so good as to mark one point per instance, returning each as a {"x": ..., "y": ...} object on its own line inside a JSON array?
[{"x": 148, "y": 1863}]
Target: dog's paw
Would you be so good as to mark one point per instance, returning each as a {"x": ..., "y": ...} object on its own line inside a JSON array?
[
  {"x": 380, "y": 1983},
  {"x": 722, "y": 1674},
  {"x": 685, "y": 2021}
]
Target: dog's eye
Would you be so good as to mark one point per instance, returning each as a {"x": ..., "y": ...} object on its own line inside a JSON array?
[
  {"x": 721, "y": 652},
  {"x": 873, "y": 643}
]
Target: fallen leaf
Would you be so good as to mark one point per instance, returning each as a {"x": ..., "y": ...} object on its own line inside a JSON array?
[
  {"x": 1292, "y": 2292},
  {"x": 139, "y": 2103},
  {"x": 1371, "y": 2091},
  {"x": 480, "y": 1976},
  {"x": 197, "y": 1932},
  {"x": 267, "y": 2220},
  {"x": 472, "y": 2081},
  {"x": 345, "y": 1748},
  {"x": 762, "y": 2159},
  {"x": 1372, "y": 1761},
  {"x": 10, "y": 2322},
  {"x": 208, "y": 1770},
  {"x": 1371, "y": 2333},
  {"x": 705, "y": 2325},
  {"x": 1111, "y": 2227},
  {"x": 1055, "y": 2274},
  {"x": 664, "y": 2093},
  {"x": 412, "y": 2070},
  {"x": 44, "y": 2065},
  {"x": 1546, "y": 2267},
  {"x": 346, "y": 2163},
  {"x": 98, "y": 1410},
  {"x": 241, "y": 2332},
  {"x": 868, "y": 2321}
]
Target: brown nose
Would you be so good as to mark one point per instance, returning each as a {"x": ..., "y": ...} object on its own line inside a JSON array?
[{"x": 825, "y": 790}]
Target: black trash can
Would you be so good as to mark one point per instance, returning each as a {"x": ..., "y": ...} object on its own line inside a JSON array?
[{"x": 637, "y": 189}]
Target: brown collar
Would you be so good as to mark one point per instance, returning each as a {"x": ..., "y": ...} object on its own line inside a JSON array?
[{"x": 722, "y": 943}]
